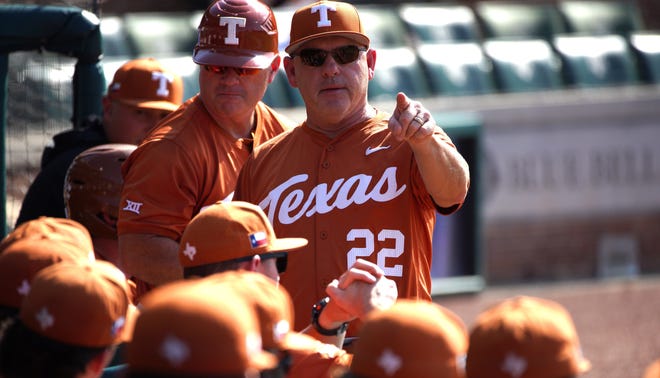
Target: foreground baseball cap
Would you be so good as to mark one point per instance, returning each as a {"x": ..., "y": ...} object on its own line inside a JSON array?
[
  {"x": 82, "y": 304},
  {"x": 228, "y": 231},
  {"x": 411, "y": 339},
  {"x": 237, "y": 33},
  {"x": 146, "y": 83},
  {"x": 271, "y": 301},
  {"x": 51, "y": 228},
  {"x": 22, "y": 260},
  {"x": 525, "y": 337},
  {"x": 326, "y": 19},
  {"x": 188, "y": 328}
]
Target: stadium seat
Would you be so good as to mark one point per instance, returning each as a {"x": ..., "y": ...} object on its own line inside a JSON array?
[
  {"x": 456, "y": 69},
  {"x": 646, "y": 47},
  {"x": 518, "y": 20},
  {"x": 114, "y": 39},
  {"x": 593, "y": 61},
  {"x": 383, "y": 26},
  {"x": 162, "y": 34},
  {"x": 524, "y": 65},
  {"x": 397, "y": 69},
  {"x": 593, "y": 17},
  {"x": 428, "y": 23}
]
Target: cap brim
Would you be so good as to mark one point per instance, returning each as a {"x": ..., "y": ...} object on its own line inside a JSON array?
[
  {"x": 129, "y": 326},
  {"x": 286, "y": 244},
  {"x": 233, "y": 58},
  {"x": 357, "y": 37},
  {"x": 155, "y": 105}
]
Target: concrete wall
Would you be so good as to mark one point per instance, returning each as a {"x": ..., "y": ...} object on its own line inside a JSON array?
[{"x": 571, "y": 185}]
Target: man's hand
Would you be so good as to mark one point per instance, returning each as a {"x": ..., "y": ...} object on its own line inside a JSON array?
[
  {"x": 360, "y": 290},
  {"x": 410, "y": 121}
]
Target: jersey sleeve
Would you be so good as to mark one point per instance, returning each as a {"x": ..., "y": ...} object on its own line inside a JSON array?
[
  {"x": 159, "y": 192},
  {"x": 418, "y": 183}
]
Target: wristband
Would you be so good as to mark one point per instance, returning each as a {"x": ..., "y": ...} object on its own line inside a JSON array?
[{"x": 317, "y": 308}]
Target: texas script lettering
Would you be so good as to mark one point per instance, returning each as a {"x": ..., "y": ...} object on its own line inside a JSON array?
[{"x": 290, "y": 203}]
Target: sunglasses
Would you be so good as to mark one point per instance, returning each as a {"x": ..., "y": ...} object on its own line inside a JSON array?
[
  {"x": 222, "y": 70},
  {"x": 342, "y": 55},
  {"x": 281, "y": 259}
]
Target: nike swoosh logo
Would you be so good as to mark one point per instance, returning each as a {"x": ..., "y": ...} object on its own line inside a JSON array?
[{"x": 371, "y": 150}]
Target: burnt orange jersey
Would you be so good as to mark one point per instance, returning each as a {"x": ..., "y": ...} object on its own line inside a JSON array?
[
  {"x": 358, "y": 195},
  {"x": 186, "y": 163}
]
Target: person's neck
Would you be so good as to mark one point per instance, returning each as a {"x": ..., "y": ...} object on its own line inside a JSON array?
[
  {"x": 238, "y": 128},
  {"x": 332, "y": 128}
]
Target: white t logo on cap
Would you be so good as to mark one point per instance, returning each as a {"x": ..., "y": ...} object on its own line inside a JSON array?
[
  {"x": 232, "y": 23},
  {"x": 162, "y": 78},
  {"x": 323, "y": 9}
]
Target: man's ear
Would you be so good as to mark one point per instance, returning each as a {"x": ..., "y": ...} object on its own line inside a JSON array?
[
  {"x": 290, "y": 71},
  {"x": 371, "y": 62},
  {"x": 251, "y": 265}
]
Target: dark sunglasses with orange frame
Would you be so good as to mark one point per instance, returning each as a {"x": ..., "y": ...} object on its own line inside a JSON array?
[
  {"x": 223, "y": 70},
  {"x": 342, "y": 55}
]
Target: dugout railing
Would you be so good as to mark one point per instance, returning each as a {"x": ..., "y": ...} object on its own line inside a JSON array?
[{"x": 69, "y": 31}]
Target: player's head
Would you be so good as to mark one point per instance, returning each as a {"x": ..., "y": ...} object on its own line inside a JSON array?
[
  {"x": 51, "y": 228},
  {"x": 525, "y": 337},
  {"x": 272, "y": 302},
  {"x": 141, "y": 93},
  {"x": 237, "y": 33},
  {"x": 327, "y": 39},
  {"x": 23, "y": 259},
  {"x": 233, "y": 233},
  {"x": 74, "y": 313},
  {"x": 146, "y": 84},
  {"x": 188, "y": 329},
  {"x": 274, "y": 309},
  {"x": 326, "y": 19},
  {"x": 410, "y": 339},
  {"x": 92, "y": 188}
]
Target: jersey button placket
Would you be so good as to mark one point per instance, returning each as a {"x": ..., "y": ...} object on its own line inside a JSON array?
[{"x": 321, "y": 226}]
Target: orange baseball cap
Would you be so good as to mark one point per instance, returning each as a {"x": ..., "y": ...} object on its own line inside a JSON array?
[
  {"x": 83, "y": 304},
  {"x": 525, "y": 337},
  {"x": 275, "y": 313},
  {"x": 189, "y": 328},
  {"x": 23, "y": 259},
  {"x": 51, "y": 228},
  {"x": 411, "y": 339},
  {"x": 325, "y": 19},
  {"x": 146, "y": 83},
  {"x": 271, "y": 301},
  {"x": 230, "y": 231}
]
